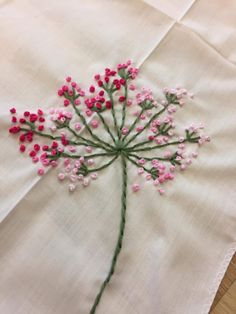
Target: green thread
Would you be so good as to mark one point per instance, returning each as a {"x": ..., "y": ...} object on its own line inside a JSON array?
[
  {"x": 149, "y": 159},
  {"x": 146, "y": 125},
  {"x": 58, "y": 138},
  {"x": 83, "y": 120},
  {"x": 87, "y": 156},
  {"x": 155, "y": 136},
  {"x": 136, "y": 164},
  {"x": 120, "y": 236},
  {"x": 124, "y": 108},
  {"x": 89, "y": 142},
  {"x": 109, "y": 92},
  {"x": 106, "y": 126},
  {"x": 134, "y": 124},
  {"x": 104, "y": 166},
  {"x": 146, "y": 149}
]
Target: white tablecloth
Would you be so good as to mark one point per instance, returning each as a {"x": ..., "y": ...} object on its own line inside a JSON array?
[{"x": 55, "y": 248}]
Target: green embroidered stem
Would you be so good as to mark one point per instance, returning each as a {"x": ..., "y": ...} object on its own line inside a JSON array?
[
  {"x": 41, "y": 134},
  {"x": 193, "y": 140},
  {"x": 89, "y": 142},
  {"x": 146, "y": 125},
  {"x": 120, "y": 237},
  {"x": 141, "y": 144},
  {"x": 145, "y": 149},
  {"x": 104, "y": 166},
  {"x": 83, "y": 120},
  {"x": 109, "y": 92},
  {"x": 155, "y": 136},
  {"x": 149, "y": 159},
  {"x": 55, "y": 138},
  {"x": 134, "y": 123},
  {"x": 124, "y": 108},
  {"x": 136, "y": 164},
  {"x": 106, "y": 126},
  {"x": 87, "y": 156}
]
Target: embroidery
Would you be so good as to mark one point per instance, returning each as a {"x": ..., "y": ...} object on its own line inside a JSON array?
[{"x": 79, "y": 137}]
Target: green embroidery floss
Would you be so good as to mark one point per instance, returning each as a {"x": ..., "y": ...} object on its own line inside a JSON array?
[{"x": 120, "y": 237}]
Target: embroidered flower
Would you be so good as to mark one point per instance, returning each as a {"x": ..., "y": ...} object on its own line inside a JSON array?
[{"x": 81, "y": 146}]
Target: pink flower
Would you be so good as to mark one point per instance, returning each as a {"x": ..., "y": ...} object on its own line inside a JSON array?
[
  {"x": 121, "y": 98},
  {"x": 77, "y": 126},
  {"x": 161, "y": 191},
  {"x": 13, "y": 110},
  {"x": 22, "y": 148},
  {"x": 72, "y": 187},
  {"x": 14, "y": 129},
  {"x": 61, "y": 176},
  {"x": 88, "y": 149},
  {"x": 141, "y": 161},
  {"x": 140, "y": 170},
  {"x": 94, "y": 124},
  {"x": 94, "y": 176},
  {"x": 90, "y": 162},
  {"x": 40, "y": 171},
  {"x": 136, "y": 187},
  {"x": 124, "y": 130},
  {"x": 92, "y": 89},
  {"x": 86, "y": 182}
]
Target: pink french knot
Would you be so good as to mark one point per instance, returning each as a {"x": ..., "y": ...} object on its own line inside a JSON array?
[
  {"x": 110, "y": 120},
  {"x": 136, "y": 187}
]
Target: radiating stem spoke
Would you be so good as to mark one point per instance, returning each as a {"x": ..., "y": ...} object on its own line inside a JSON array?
[
  {"x": 133, "y": 124},
  {"x": 146, "y": 149},
  {"x": 83, "y": 120},
  {"x": 110, "y": 95},
  {"x": 149, "y": 159},
  {"x": 146, "y": 125},
  {"x": 104, "y": 166},
  {"x": 124, "y": 108},
  {"x": 106, "y": 127}
]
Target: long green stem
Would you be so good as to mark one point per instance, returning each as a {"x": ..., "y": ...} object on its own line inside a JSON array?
[
  {"x": 83, "y": 120},
  {"x": 133, "y": 124},
  {"x": 146, "y": 126},
  {"x": 113, "y": 112},
  {"x": 155, "y": 136},
  {"x": 89, "y": 142},
  {"x": 55, "y": 138},
  {"x": 124, "y": 108},
  {"x": 146, "y": 149},
  {"x": 106, "y": 127},
  {"x": 87, "y": 156},
  {"x": 136, "y": 164},
  {"x": 149, "y": 159},
  {"x": 104, "y": 166},
  {"x": 120, "y": 236},
  {"x": 141, "y": 144},
  {"x": 41, "y": 133}
]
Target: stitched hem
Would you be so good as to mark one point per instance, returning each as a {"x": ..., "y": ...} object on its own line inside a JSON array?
[{"x": 219, "y": 276}]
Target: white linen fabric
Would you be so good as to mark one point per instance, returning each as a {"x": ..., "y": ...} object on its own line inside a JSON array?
[{"x": 55, "y": 248}]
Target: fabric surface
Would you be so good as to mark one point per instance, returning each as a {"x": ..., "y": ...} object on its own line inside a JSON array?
[{"x": 55, "y": 248}]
